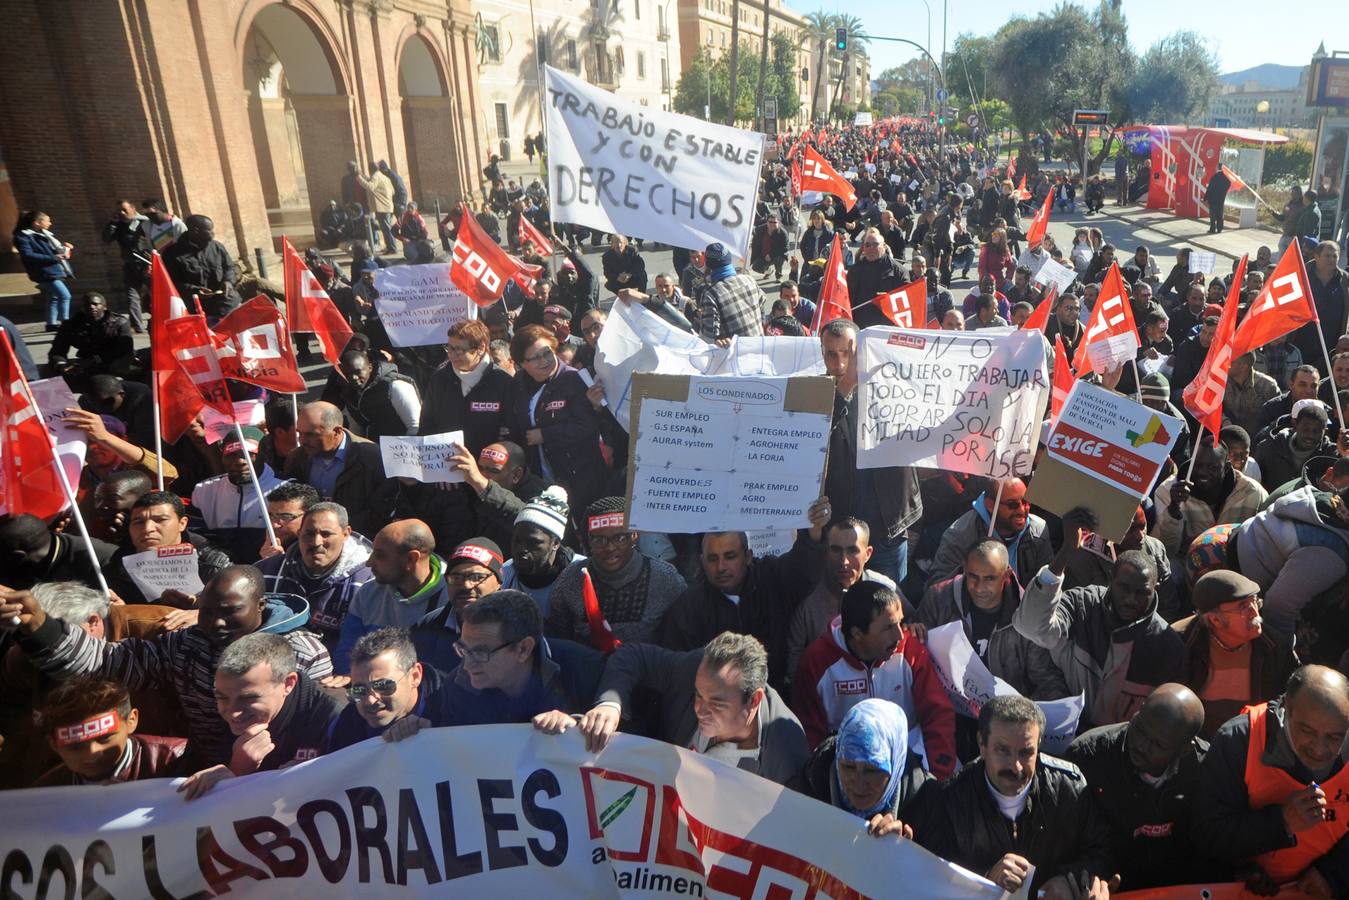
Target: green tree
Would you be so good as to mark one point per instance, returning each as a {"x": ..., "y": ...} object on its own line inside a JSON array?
[
  {"x": 969, "y": 69},
  {"x": 783, "y": 77},
  {"x": 1174, "y": 80},
  {"x": 692, "y": 91},
  {"x": 819, "y": 31}
]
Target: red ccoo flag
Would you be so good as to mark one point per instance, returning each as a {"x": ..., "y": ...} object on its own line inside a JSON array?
[
  {"x": 1063, "y": 379},
  {"x": 818, "y": 175},
  {"x": 1021, "y": 192},
  {"x": 1235, "y": 179},
  {"x": 834, "y": 302},
  {"x": 254, "y": 346},
  {"x": 481, "y": 268},
  {"x": 1283, "y": 305},
  {"x": 602, "y": 636},
  {"x": 796, "y": 177},
  {"x": 194, "y": 351},
  {"x": 905, "y": 306},
  {"x": 178, "y": 402},
  {"x": 1036, "y": 235},
  {"x": 1112, "y": 321},
  {"x": 29, "y": 482},
  {"x": 1039, "y": 319},
  {"x": 308, "y": 303},
  {"x": 1011, "y": 169},
  {"x": 1203, "y": 396},
  {"x": 528, "y": 234}
]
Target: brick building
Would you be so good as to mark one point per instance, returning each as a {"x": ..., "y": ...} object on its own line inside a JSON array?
[{"x": 243, "y": 110}]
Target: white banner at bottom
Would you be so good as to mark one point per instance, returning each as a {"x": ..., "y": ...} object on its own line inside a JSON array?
[{"x": 495, "y": 810}]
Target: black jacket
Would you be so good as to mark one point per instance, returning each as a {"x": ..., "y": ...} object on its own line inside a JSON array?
[
  {"x": 361, "y": 486},
  {"x": 210, "y": 560},
  {"x": 432, "y": 704},
  {"x": 775, "y": 247},
  {"x": 629, "y": 261},
  {"x": 1150, "y": 828},
  {"x": 866, "y": 279},
  {"x": 301, "y": 727},
  {"x": 571, "y": 434},
  {"x": 67, "y": 560},
  {"x": 197, "y": 269},
  {"x": 485, "y": 415},
  {"x": 98, "y": 341},
  {"x": 1061, "y": 830},
  {"x": 817, "y": 779},
  {"x": 370, "y": 406},
  {"x": 888, "y": 499}
]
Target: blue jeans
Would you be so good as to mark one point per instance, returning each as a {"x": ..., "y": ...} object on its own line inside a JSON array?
[
  {"x": 58, "y": 301},
  {"x": 891, "y": 558}
]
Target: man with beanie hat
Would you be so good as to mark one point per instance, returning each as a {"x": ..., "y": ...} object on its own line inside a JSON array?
[
  {"x": 538, "y": 555},
  {"x": 1230, "y": 661},
  {"x": 472, "y": 570},
  {"x": 1155, "y": 393},
  {"x": 732, "y": 303}
]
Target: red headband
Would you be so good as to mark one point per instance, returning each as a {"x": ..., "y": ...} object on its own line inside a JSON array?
[
  {"x": 480, "y": 555},
  {"x": 491, "y": 454},
  {"x": 96, "y": 727},
  {"x": 607, "y": 520}
]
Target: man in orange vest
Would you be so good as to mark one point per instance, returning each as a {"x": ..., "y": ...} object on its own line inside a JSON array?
[{"x": 1274, "y": 789}]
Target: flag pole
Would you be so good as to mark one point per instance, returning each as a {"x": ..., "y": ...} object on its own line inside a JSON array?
[
  {"x": 257, "y": 486},
  {"x": 1138, "y": 382},
  {"x": 993, "y": 516},
  {"x": 1198, "y": 439},
  {"x": 1325, "y": 354},
  {"x": 159, "y": 439}
]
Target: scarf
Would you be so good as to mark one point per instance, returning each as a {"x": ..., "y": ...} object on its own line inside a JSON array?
[
  {"x": 721, "y": 273},
  {"x": 469, "y": 380},
  {"x": 875, "y": 732}
]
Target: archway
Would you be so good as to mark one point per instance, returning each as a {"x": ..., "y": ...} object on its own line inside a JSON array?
[
  {"x": 300, "y": 112},
  {"x": 428, "y": 127}
]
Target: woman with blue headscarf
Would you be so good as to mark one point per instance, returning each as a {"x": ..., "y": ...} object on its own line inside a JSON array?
[{"x": 866, "y": 769}]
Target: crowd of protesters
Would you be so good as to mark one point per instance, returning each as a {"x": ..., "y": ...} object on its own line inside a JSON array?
[{"x": 1209, "y": 642}]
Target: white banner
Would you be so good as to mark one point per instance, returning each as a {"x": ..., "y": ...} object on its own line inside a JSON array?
[
  {"x": 418, "y": 304},
  {"x": 421, "y": 457},
  {"x": 958, "y": 401},
  {"x": 488, "y": 811},
  {"x": 160, "y": 569},
  {"x": 54, "y": 397},
  {"x": 623, "y": 168},
  {"x": 970, "y": 685}
]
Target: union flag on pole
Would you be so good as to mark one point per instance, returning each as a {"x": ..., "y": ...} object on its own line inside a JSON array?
[
  {"x": 178, "y": 402},
  {"x": 254, "y": 346},
  {"x": 1112, "y": 336},
  {"x": 481, "y": 268},
  {"x": 309, "y": 308},
  {"x": 29, "y": 482},
  {"x": 526, "y": 276},
  {"x": 1283, "y": 305},
  {"x": 1039, "y": 319},
  {"x": 1203, "y": 396},
  {"x": 1036, "y": 235},
  {"x": 194, "y": 352},
  {"x": 796, "y": 176},
  {"x": 905, "y": 306},
  {"x": 1063, "y": 379},
  {"x": 528, "y": 234},
  {"x": 818, "y": 175},
  {"x": 834, "y": 302}
]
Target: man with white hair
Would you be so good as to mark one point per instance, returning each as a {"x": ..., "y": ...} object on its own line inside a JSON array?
[{"x": 875, "y": 272}]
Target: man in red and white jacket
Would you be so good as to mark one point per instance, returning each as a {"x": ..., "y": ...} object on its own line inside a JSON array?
[{"x": 866, "y": 653}]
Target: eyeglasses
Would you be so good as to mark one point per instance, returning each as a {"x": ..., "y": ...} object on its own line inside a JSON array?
[
  {"x": 385, "y": 687},
  {"x": 541, "y": 358},
  {"x": 456, "y": 350},
  {"x": 467, "y": 579},
  {"x": 610, "y": 540},
  {"x": 476, "y": 655},
  {"x": 1253, "y": 604},
  {"x": 283, "y": 518}
]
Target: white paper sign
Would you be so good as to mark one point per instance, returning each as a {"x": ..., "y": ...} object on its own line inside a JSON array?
[
  {"x": 958, "y": 401},
  {"x": 730, "y": 458},
  {"x": 423, "y": 457},
  {"x": 1203, "y": 261},
  {"x": 771, "y": 542},
  {"x": 54, "y": 397},
  {"x": 1053, "y": 272},
  {"x": 620, "y": 167},
  {"x": 160, "y": 569},
  {"x": 218, "y": 426},
  {"x": 418, "y": 304},
  {"x": 1109, "y": 353}
]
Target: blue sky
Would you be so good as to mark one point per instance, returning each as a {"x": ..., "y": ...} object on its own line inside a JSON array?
[{"x": 1243, "y": 33}]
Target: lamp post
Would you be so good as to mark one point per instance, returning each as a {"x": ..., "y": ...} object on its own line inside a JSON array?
[{"x": 1262, "y": 109}]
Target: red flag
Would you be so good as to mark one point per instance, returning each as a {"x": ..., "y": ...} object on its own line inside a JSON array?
[
  {"x": 1111, "y": 318},
  {"x": 1011, "y": 170},
  {"x": 1063, "y": 379},
  {"x": 1284, "y": 305},
  {"x": 531, "y": 235},
  {"x": 602, "y": 636},
  {"x": 165, "y": 304},
  {"x": 481, "y": 268},
  {"x": 1203, "y": 396},
  {"x": 1021, "y": 191},
  {"x": 254, "y": 346},
  {"x": 526, "y": 276},
  {"x": 905, "y": 306},
  {"x": 308, "y": 302},
  {"x": 29, "y": 482},
  {"x": 796, "y": 178},
  {"x": 818, "y": 175},
  {"x": 1235, "y": 179},
  {"x": 194, "y": 350},
  {"x": 834, "y": 302},
  {"x": 1036, "y": 235},
  {"x": 1039, "y": 319}
]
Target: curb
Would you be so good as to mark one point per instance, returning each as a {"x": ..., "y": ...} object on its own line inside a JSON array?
[{"x": 1200, "y": 243}]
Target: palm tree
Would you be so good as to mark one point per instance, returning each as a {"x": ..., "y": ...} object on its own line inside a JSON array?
[
  {"x": 820, "y": 29},
  {"x": 735, "y": 60},
  {"x": 763, "y": 70},
  {"x": 857, "y": 37}
]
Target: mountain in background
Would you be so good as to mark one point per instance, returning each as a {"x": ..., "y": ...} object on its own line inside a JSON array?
[{"x": 1268, "y": 76}]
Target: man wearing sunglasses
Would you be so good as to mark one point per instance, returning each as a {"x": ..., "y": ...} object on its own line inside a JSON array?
[
  {"x": 472, "y": 571},
  {"x": 389, "y": 690}
]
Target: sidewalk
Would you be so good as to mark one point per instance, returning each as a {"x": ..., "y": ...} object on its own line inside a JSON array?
[{"x": 1231, "y": 243}]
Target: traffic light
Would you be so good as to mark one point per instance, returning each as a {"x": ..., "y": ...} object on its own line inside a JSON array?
[
  {"x": 941, "y": 118},
  {"x": 841, "y": 39}
]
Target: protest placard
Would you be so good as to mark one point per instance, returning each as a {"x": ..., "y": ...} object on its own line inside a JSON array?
[
  {"x": 218, "y": 425},
  {"x": 160, "y": 569},
  {"x": 53, "y": 396},
  {"x": 958, "y": 401},
  {"x": 417, "y": 304},
  {"x": 770, "y": 541},
  {"x": 726, "y": 454},
  {"x": 619, "y": 167},
  {"x": 1053, "y": 273},
  {"x": 421, "y": 457},
  {"x": 1203, "y": 261},
  {"x": 1104, "y": 453}
]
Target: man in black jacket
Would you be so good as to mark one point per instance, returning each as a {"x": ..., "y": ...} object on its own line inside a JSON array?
[
  {"x": 131, "y": 232},
  {"x": 1015, "y": 808},
  {"x": 379, "y": 399},
  {"x": 277, "y": 715},
  {"x": 388, "y": 685},
  {"x": 199, "y": 264},
  {"x": 745, "y": 595},
  {"x": 1215, "y": 195},
  {"x": 341, "y": 467},
  {"x": 875, "y": 272},
  {"x": 102, "y": 341},
  {"x": 1144, "y": 774}
]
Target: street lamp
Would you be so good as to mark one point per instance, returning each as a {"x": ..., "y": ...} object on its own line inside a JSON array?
[
  {"x": 1262, "y": 108},
  {"x": 929, "y": 62}
]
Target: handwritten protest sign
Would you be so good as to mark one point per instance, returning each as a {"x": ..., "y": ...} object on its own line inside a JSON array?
[
  {"x": 421, "y": 457},
  {"x": 417, "y": 304},
  {"x": 771, "y": 541},
  {"x": 54, "y": 397},
  {"x": 218, "y": 425},
  {"x": 1104, "y": 453},
  {"x": 958, "y": 401},
  {"x": 1203, "y": 261},
  {"x": 619, "y": 167},
  {"x": 160, "y": 569},
  {"x": 1056, "y": 274},
  {"x": 970, "y": 685},
  {"x": 726, "y": 454}
]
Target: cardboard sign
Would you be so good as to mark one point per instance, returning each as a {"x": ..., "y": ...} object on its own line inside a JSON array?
[
  {"x": 1104, "y": 453},
  {"x": 726, "y": 454},
  {"x": 958, "y": 401},
  {"x": 54, "y": 397},
  {"x": 160, "y": 569},
  {"x": 418, "y": 304},
  {"x": 423, "y": 457}
]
